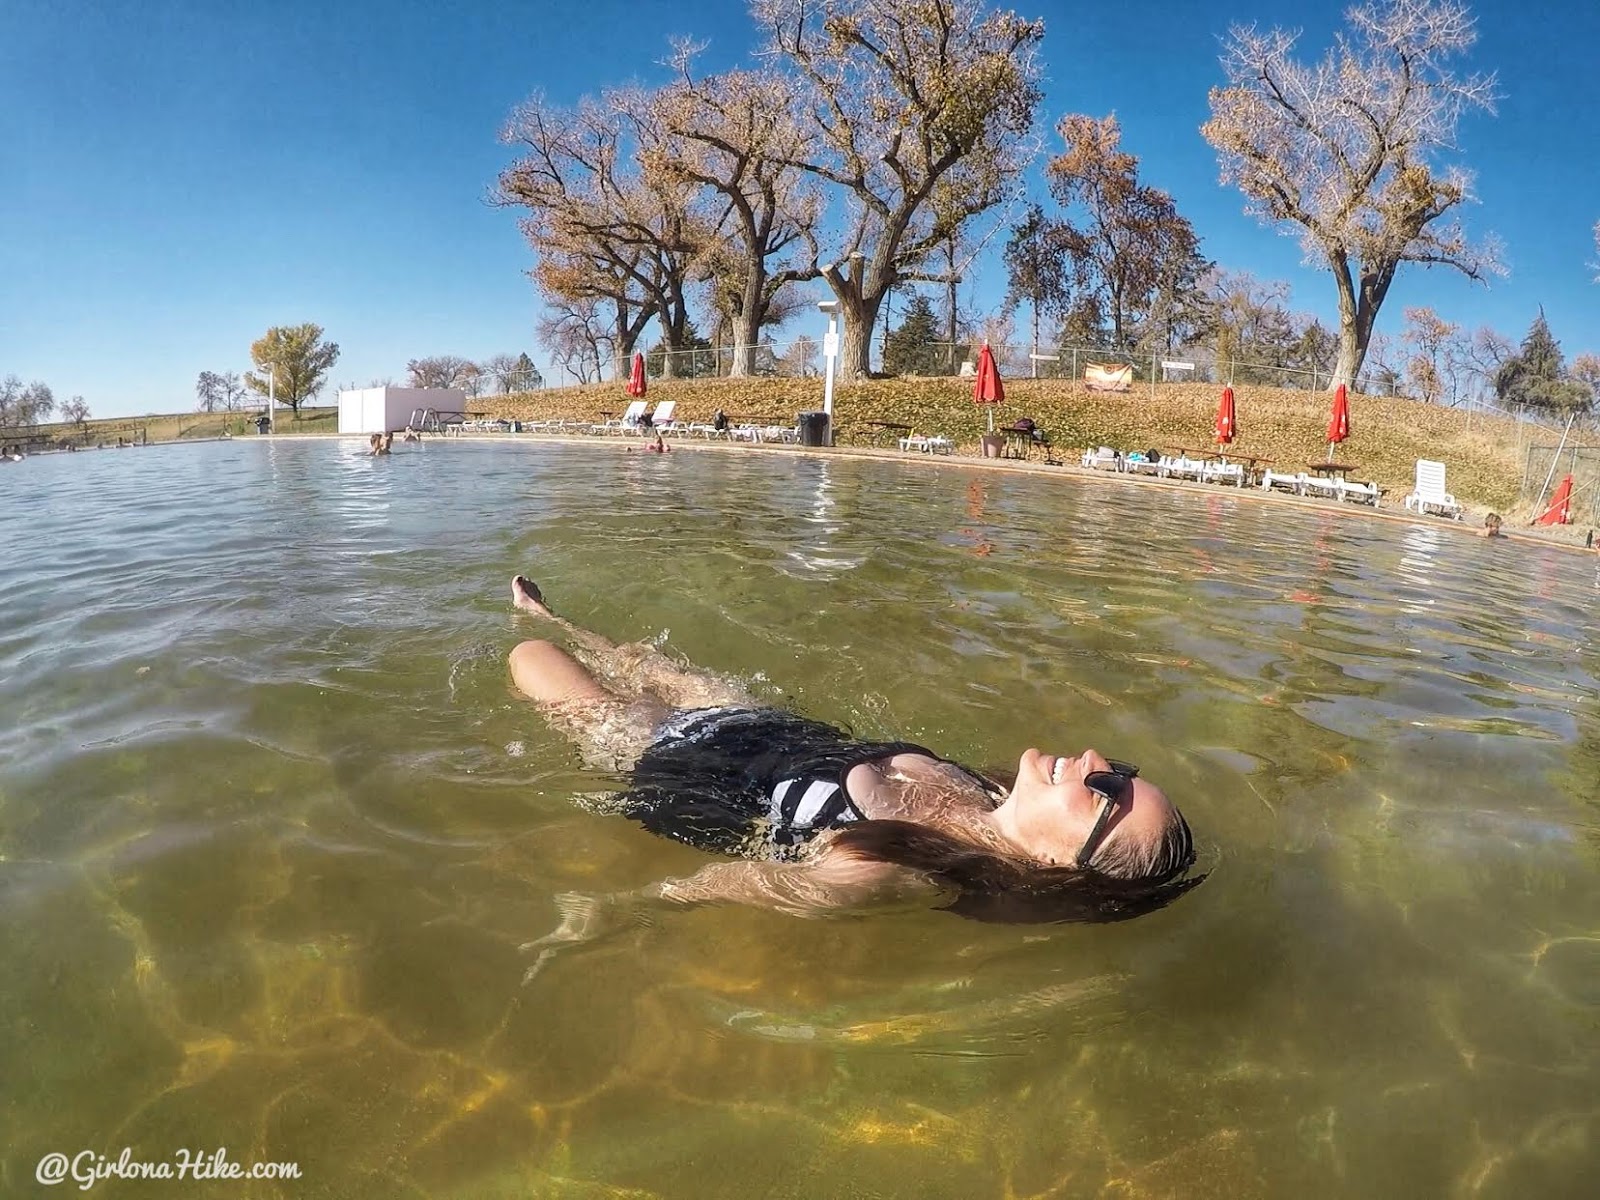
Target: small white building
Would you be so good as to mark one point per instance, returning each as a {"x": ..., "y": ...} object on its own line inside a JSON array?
[{"x": 389, "y": 409}]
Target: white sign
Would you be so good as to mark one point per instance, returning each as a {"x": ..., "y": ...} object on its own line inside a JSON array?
[
  {"x": 1176, "y": 366},
  {"x": 830, "y": 344}
]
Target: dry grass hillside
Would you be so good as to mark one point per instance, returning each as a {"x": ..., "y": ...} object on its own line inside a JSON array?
[{"x": 1484, "y": 458}]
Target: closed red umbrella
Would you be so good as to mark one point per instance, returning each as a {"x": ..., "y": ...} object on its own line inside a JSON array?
[
  {"x": 636, "y": 383},
  {"x": 987, "y": 388},
  {"x": 1227, "y": 424},
  {"x": 1558, "y": 511},
  {"x": 1339, "y": 423}
]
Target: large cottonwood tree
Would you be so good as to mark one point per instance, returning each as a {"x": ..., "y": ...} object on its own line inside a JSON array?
[
  {"x": 919, "y": 112},
  {"x": 735, "y": 135},
  {"x": 600, "y": 230},
  {"x": 1346, "y": 148}
]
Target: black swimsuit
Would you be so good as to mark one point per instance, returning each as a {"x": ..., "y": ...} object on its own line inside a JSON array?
[{"x": 760, "y": 783}]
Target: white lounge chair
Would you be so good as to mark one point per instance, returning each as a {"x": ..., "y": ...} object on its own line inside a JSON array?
[
  {"x": 1182, "y": 467},
  {"x": 1103, "y": 459},
  {"x": 1224, "y": 472},
  {"x": 1429, "y": 494},
  {"x": 1319, "y": 485},
  {"x": 1292, "y": 483},
  {"x": 628, "y": 420},
  {"x": 662, "y": 422},
  {"x": 1361, "y": 493},
  {"x": 927, "y": 443}
]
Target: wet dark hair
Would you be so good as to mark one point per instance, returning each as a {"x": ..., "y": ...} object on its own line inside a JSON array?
[{"x": 998, "y": 888}]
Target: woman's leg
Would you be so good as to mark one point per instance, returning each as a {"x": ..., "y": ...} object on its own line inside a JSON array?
[
  {"x": 611, "y": 730},
  {"x": 636, "y": 666},
  {"x": 547, "y": 674}
]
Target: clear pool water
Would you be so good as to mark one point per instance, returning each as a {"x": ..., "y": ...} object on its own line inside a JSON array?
[{"x": 273, "y": 826}]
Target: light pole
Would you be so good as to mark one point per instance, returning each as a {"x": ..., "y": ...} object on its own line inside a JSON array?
[
  {"x": 830, "y": 356},
  {"x": 272, "y": 396}
]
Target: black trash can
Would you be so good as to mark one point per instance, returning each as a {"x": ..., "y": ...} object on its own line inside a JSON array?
[{"x": 813, "y": 429}]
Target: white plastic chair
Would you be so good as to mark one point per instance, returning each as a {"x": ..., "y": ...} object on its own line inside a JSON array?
[
  {"x": 629, "y": 419},
  {"x": 1429, "y": 494}
]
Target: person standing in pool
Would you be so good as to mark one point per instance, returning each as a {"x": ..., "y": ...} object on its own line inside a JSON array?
[{"x": 813, "y": 819}]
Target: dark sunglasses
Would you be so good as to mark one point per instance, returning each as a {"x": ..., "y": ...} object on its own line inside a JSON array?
[{"x": 1115, "y": 789}]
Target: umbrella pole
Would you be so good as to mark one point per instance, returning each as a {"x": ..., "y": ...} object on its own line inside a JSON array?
[{"x": 990, "y": 407}]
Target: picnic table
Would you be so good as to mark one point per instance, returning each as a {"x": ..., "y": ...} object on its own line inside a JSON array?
[
  {"x": 894, "y": 429},
  {"x": 1021, "y": 439},
  {"x": 1333, "y": 470}
]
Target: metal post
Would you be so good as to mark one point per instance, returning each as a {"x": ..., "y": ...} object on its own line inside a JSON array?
[
  {"x": 830, "y": 356},
  {"x": 272, "y": 398}
]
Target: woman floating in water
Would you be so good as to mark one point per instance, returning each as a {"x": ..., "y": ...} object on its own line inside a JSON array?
[{"x": 819, "y": 820}]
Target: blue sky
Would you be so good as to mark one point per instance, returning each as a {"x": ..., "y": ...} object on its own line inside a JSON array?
[{"x": 177, "y": 176}]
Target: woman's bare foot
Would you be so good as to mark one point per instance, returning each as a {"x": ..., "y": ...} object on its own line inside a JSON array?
[{"x": 525, "y": 595}]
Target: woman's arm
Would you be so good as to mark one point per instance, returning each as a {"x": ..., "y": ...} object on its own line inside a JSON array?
[{"x": 835, "y": 878}]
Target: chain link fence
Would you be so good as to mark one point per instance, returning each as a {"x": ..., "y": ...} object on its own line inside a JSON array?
[{"x": 801, "y": 357}]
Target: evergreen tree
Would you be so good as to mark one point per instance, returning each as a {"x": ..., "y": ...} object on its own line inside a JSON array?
[
  {"x": 694, "y": 360},
  {"x": 525, "y": 374},
  {"x": 1537, "y": 376},
  {"x": 909, "y": 350}
]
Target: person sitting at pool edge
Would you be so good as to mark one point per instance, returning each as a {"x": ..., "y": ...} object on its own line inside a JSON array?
[{"x": 819, "y": 820}]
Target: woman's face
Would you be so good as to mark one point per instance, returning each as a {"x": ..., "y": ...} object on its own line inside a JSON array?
[{"x": 1051, "y": 811}]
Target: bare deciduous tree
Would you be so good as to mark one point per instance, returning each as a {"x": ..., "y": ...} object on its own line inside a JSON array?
[
  {"x": 442, "y": 371},
  {"x": 919, "y": 111},
  {"x": 1344, "y": 148},
  {"x": 599, "y": 229},
  {"x": 232, "y": 388},
  {"x": 1252, "y": 324},
  {"x": 1133, "y": 238},
  {"x": 579, "y": 340},
  {"x": 208, "y": 391},
  {"x": 1038, "y": 269},
  {"x": 76, "y": 412},
  {"x": 1431, "y": 370}
]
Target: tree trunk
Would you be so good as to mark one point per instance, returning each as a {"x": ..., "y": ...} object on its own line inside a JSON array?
[
  {"x": 673, "y": 328},
  {"x": 858, "y": 315},
  {"x": 1358, "y": 313},
  {"x": 747, "y": 326}
]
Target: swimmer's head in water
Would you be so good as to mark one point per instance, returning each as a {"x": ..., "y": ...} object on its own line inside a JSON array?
[
  {"x": 1086, "y": 839},
  {"x": 1091, "y": 813}
]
